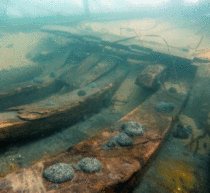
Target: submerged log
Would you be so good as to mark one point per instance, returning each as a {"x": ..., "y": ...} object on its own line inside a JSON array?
[{"x": 120, "y": 165}]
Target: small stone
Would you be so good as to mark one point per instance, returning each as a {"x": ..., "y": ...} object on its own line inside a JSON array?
[
  {"x": 133, "y": 128},
  {"x": 123, "y": 140},
  {"x": 172, "y": 90},
  {"x": 165, "y": 107},
  {"x": 90, "y": 165},
  {"x": 181, "y": 132},
  {"x": 59, "y": 173},
  {"x": 81, "y": 93}
]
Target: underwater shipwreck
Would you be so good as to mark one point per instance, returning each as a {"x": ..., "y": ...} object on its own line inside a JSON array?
[{"x": 128, "y": 101}]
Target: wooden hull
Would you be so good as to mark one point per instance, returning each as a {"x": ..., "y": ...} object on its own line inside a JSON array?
[
  {"x": 57, "y": 111},
  {"x": 120, "y": 165}
]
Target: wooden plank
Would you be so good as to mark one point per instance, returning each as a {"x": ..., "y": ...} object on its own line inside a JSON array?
[
  {"x": 57, "y": 111},
  {"x": 106, "y": 39},
  {"x": 196, "y": 113},
  {"x": 24, "y": 85},
  {"x": 18, "y": 74},
  {"x": 120, "y": 165},
  {"x": 28, "y": 92},
  {"x": 150, "y": 76},
  {"x": 71, "y": 75},
  {"x": 102, "y": 68}
]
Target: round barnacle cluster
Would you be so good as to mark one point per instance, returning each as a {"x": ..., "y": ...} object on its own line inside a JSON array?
[
  {"x": 130, "y": 129},
  {"x": 59, "y": 173},
  {"x": 90, "y": 164},
  {"x": 165, "y": 107},
  {"x": 120, "y": 139}
]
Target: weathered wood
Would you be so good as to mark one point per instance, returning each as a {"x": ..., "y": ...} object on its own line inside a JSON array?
[
  {"x": 120, "y": 165},
  {"x": 57, "y": 111},
  {"x": 199, "y": 100},
  {"x": 102, "y": 68},
  {"x": 150, "y": 76},
  {"x": 18, "y": 74},
  {"x": 71, "y": 75},
  {"x": 26, "y": 85},
  {"x": 107, "y": 39},
  {"x": 28, "y": 92}
]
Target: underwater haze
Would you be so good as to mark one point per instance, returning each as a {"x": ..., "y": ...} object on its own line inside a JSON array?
[{"x": 70, "y": 69}]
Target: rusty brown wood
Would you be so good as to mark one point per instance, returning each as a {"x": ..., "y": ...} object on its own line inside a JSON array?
[
  {"x": 56, "y": 111},
  {"x": 149, "y": 76},
  {"x": 27, "y": 92},
  {"x": 71, "y": 76},
  {"x": 102, "y": 68},
  {"x": 119, "y": 165}
]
